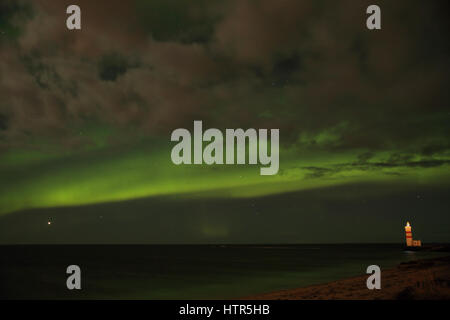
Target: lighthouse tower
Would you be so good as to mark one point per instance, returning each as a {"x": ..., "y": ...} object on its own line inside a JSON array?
[{"x": 409, "y": 239}]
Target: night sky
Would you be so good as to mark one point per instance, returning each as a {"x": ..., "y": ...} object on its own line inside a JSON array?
[{"x": 86, "y": 118}]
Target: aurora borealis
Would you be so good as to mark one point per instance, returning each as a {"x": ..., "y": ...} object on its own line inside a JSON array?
[{"x": 86, "y": 117}]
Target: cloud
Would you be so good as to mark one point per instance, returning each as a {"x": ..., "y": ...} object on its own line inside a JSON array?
[
  {"x": 376, "y": 166},
  {"x": 306, "y": 68}
]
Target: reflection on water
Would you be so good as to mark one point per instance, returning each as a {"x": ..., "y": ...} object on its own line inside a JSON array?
[{"x": 186, "y": 272}]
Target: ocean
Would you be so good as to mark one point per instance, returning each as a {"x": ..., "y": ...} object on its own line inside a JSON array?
[{"x": 185, "y": 271}]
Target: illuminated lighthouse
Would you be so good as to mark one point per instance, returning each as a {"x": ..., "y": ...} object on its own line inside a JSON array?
[{"x": 409, "y": 239}]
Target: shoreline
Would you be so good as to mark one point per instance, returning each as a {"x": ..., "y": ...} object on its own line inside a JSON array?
[{"x": 425, "y": 279}]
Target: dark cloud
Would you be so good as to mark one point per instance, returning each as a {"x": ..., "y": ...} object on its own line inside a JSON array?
[
  {"x": 364, "y": 157},
  {"x": 311, "y": 69},
  {"x": 3, "y": 122},
  {"x": 112, "y": 66},
  {"x": 378, "y": 166},
  {"x": 12, "y": 15},
  {"x": 179, "y": 20},
  {"x": 318, "y": 172}
]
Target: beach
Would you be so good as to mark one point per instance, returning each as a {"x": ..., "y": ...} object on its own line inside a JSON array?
[
  {"x": 157, "y": 272},
  {"x": 427, "y": 279}
]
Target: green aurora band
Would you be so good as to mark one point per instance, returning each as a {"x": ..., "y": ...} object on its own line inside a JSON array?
[{"x": 32, "y": 179}]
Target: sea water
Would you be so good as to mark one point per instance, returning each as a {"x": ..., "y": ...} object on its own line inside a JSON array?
[{"x": 185, "y": 271}]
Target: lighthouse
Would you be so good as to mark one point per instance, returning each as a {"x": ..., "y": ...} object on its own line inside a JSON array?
[
  {"x": 409, "y": 239},
  {"x": 408, "y": 232}
]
